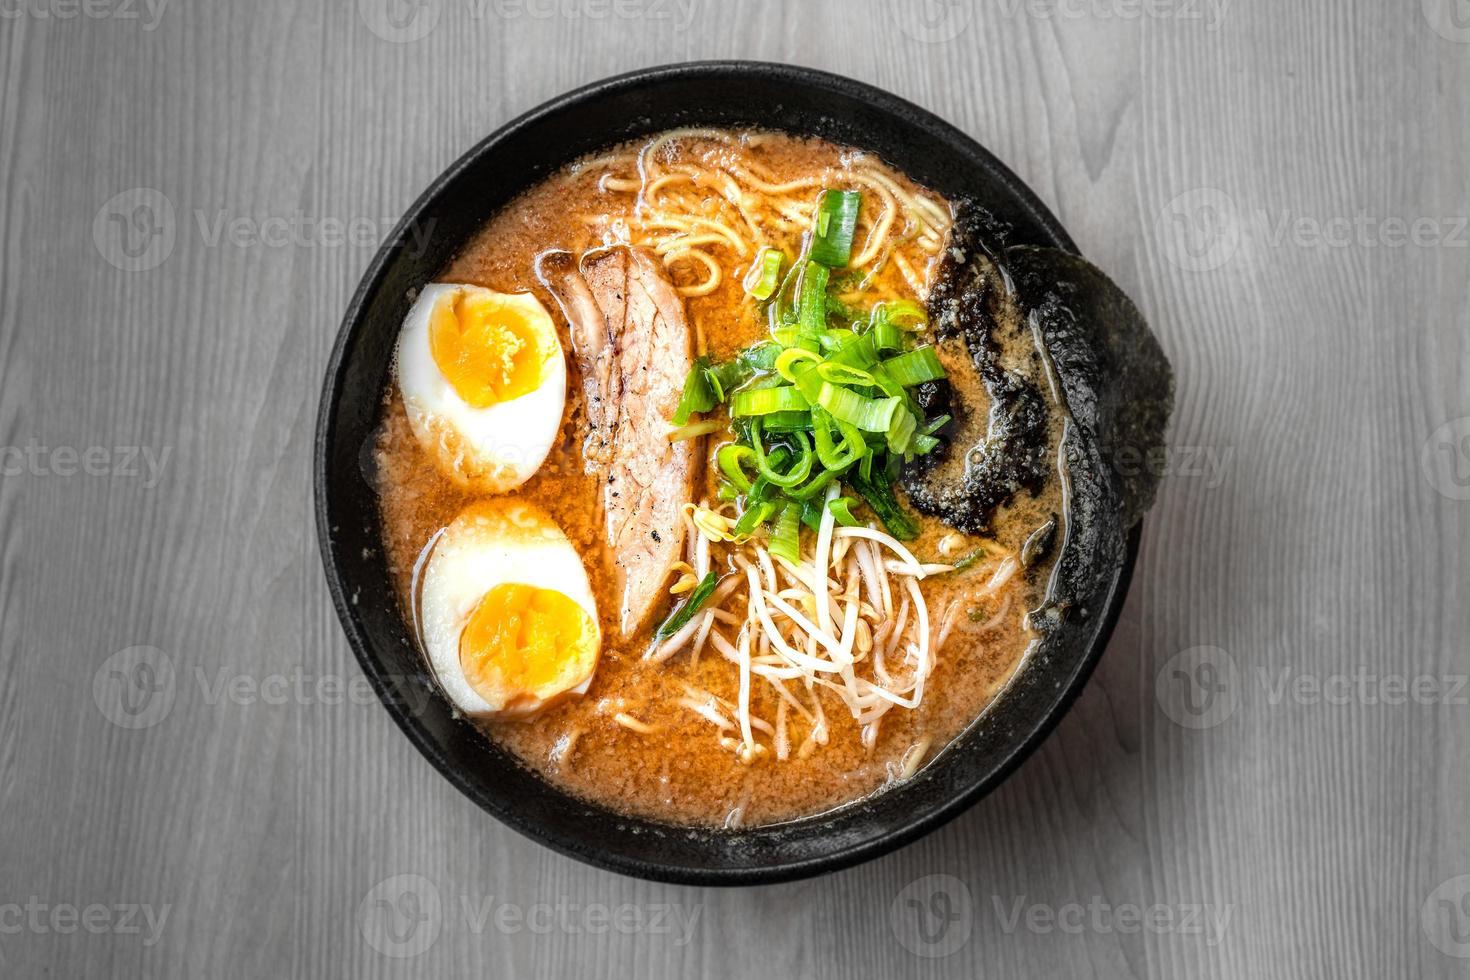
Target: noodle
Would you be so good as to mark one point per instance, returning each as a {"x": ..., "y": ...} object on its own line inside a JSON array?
[
  {"x": 678, "y": 222},
  {"x": 705, "y": 259}
]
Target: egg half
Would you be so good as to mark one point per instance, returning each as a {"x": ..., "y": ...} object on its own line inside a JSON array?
[
  {"x": 484, "y": 382},
  {"x": 506, "y": 615}
]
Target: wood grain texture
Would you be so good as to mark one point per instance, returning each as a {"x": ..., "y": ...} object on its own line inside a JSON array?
[{"x": 1309, "y": 526}]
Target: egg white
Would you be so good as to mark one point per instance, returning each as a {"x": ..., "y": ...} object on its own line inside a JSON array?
[
  {"x": 490, "y": 544},
  {"x": 493, "y": 449}
]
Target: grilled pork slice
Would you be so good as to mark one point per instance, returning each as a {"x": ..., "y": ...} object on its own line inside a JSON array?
[{"x": 634, "y": 349}]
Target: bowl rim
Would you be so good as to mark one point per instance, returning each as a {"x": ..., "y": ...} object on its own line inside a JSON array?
[{"x": 353, "y": 322}]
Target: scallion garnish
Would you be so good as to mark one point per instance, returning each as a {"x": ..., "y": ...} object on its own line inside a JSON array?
[
  {"x": 731, "y": 459},
  {"x": 837, "y": 214},
  {"x": 811, "y": 307},
  {"x": 826, "y": 400},
  {"x": 754, "y": 516},
  {"x": 787, "y": 421},
  {"x": 901, "y": 431},
  {"x": 971, "y": 558},
  {"x": 853, "y": 446},
  {"x": 785, "y": 536},
  {"x": 680, "y": 617},
  {"x": 694, "y": 430},
  {"x": 846, "y": 405},
  {"x": 790, "y": 358},
  {"x": 887, "y": 336},
  {"x": 764, "y": 401},
  {"x": 879, "y": 495},
  {"x": 767, "y": 274},
  {"x": 800, "y": 468},
  {"x": 841, "y": 508},
  {"x": 914, "y": 367},
  {"x": 901, "y": 313},
  {"x": 923, "y": 445},
  {"x": 698, "y": 395}
]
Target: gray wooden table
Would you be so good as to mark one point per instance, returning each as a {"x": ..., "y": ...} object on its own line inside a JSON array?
[{"x": 1267, "y": 775}]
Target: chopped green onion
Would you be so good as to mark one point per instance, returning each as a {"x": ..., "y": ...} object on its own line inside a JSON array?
[
  {"x": 731, "y": 460},
  {"x": 769, "y": 267},
  {"x": 901, "y": 313},
  {"x": 822, "y": 425},
  {"x": 695, "y": 429},
  {"x": 922, "y": 445},
  {"x": 799, "y": 470},
  {"x": 826, "y": 401},
  {"x": 901, "y": 431},
  {"x": 781, "y": 310},
  {"x": 787, "y": 361},
  {"x": 767, "y": 379},
  {"x": 917, "y": 366},
  {"x": 934, "y": 425},
  {"x": 816, "y": 485},
  {"x": 762, "y": 357},
  {"x": 764, "y": 401},
  {"x": 852, "y": 436},
  {"x": 892, "y": 388},
  {"x": 697, "y": 396},
  {"x": 858, "y": 352},
  {"x": 792, "y": 421},
  {"x": 841, "y": 508},
  {"x": 754, "y": 516},
  {"x": 808, "y": 381},
  {"x": 763, "y": 489},
  {"x": 811, "y": 306},
  {"x": 971, "y": 558},
  {"x": 727, "y": 377},
  {"x": 836, "y": 220},
  {"x": 844, "y": 374},
  {"x": 887, "y": 336},
  {"x": 681, "y": 616},
  {"x": 879, "y": 495},
  {"x": 870, "y": 414},
  {"x": 786, "y": 536},
  {"x": 834, "y": 338}
]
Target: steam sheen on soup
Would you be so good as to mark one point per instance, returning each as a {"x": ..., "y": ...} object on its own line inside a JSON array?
[{"x": 642, "y": 467}]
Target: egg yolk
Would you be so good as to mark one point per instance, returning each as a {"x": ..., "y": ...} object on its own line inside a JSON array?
[
  {"x": 525, "y": 640},
  {"x": 488, "y": 349}
]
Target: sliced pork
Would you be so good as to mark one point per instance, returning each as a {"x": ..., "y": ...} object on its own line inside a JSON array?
[{"x": 634, "y": 349}]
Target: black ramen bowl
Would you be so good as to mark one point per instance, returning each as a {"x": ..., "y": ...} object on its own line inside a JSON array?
[{"x": 516, "y": 156}]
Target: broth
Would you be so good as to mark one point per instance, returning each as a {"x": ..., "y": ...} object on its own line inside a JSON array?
[{"x": 683, "y": 772}]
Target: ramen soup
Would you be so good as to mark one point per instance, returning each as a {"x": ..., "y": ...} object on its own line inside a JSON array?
[{"x": 697, "y": 498}]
